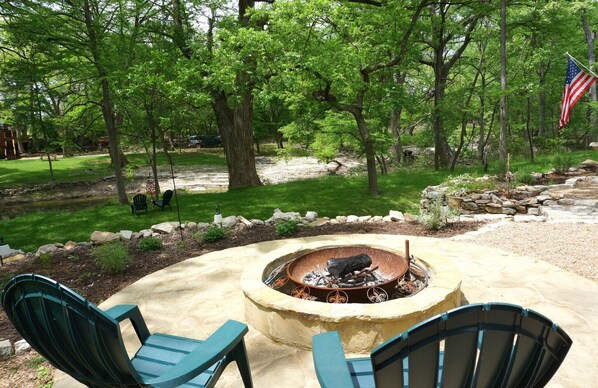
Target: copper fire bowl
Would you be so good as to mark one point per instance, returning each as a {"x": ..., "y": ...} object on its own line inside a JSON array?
[{"x": 390, "y": 265}]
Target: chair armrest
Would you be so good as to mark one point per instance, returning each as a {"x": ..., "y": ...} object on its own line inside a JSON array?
[
  {"x": 330, "y": 362},
  {"x": 130, "y": 311},
  {"x": 214, "y": 348}
]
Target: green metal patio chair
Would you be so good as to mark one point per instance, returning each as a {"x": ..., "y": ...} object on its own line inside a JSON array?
[
  {"x": 78, "y": 338},
  {"x": 139, "y": 203},
  {"x": 479, "y": 345},
  {"x": 165, "y": 201}
]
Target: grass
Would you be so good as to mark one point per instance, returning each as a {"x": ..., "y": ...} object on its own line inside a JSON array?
[{"x": 328, "y": 196}]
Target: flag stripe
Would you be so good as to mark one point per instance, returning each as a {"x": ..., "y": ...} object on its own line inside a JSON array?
[{"x": 577, "y": 84}]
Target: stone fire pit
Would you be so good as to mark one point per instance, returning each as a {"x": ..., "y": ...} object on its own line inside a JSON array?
[{"x": 362, "y": 326}]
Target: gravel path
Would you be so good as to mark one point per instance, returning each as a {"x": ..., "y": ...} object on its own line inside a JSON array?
[{"x": 571, "y": 246}]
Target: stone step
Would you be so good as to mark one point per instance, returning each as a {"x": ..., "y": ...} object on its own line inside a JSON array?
[{"x": 570, "y": 213}]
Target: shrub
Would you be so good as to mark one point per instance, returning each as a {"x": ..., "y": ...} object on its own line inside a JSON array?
[
  {"x": 46, "y": 260},
  {"x": 436, "y": 215},
  {"x": 213, "y": 234},
  {"x": 562, "y": 162},
  {"x": 112, "y": 257},
  {"x": 524, "y": 178},
  {"x": 286, "y": 228},
  {"x": 150, "y": 244}
]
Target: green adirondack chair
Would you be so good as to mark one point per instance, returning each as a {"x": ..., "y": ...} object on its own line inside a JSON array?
[
  {"x": 78, "y": 338},
  {"x": 165, "y": 201},
  {"x": 479, "y": 345},
  {"x": 139, "y": 203}
]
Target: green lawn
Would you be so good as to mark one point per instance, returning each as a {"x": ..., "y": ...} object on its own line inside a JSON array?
[{"x": 328, "y": 196}]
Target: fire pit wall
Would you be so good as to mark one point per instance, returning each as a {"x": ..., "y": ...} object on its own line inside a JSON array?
[{"x": 362, "y": 326}]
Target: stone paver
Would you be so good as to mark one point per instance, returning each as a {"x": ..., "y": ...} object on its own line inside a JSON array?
[{"x": 194, "y": 297}]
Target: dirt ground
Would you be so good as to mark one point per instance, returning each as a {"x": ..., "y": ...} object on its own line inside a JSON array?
[{"x": 77, "y": 269}]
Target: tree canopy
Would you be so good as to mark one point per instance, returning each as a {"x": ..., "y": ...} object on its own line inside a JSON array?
[{"x": 372, "y": 76}]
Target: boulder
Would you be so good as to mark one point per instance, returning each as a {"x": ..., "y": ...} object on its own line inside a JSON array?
[
  {"x": 311, "y": 216},
  {"x": 126, "y": 234},
  {"x": 104, "y": 237},
  {"x": 365, "y": 218},
  {"x": 352, "y": 218},
  {"x": 341, "y": 219},
  {"x": 6, "y": 350},
  {"x": 469, "y": 206},
  {"x": 165, "y": 227},
  {"x": 256, "y": 221},
  {"x": 396, "y": 215},
  {"x": 70, "y": 245},
  {"x": 229, "y": 222},
  {"x": 244, "y": 221},
  {"x": 48, "y": 248},
  {"x": 319, "y": 222},
  {"x": 21, "y": 346},
  {"x": 285, "y": 216}
]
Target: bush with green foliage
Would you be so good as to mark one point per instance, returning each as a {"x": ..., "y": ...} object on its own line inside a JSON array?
[
  {"x": 286, "y": 228},
  {"x": 435, "y": 216},
  {"x": 561, "y": 163},
  {"x": 213, "y": 234},
  {"x": 524, "y": 178},
  {"x": 150, "y": 244},
  {"x": 112, "y": 257},
  {"x": 46, "y": 260}
]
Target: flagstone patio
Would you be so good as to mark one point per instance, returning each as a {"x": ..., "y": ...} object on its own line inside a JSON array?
[{"x": 194, "y": 297}]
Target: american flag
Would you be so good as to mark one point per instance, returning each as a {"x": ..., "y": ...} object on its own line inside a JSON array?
[{"x": 577, "y": 83}]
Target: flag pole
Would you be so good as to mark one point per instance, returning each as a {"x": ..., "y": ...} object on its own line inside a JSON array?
[{"x": 581, "y": 64}]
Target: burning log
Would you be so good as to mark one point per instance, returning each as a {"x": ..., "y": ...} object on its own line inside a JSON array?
[{"x": 340, "y": 266}]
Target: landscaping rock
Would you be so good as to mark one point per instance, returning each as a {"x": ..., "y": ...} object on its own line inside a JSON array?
[
  {"x": 6, "y": 350},
  {"x": 70, "y": 245},
  {"x": 145, "y": 233},
  {"x": 203, "y": 225},
  {"x": 126, "y": 234},
  {"x": 244, "y": 221},
  {"x": 165, "y": 227},
  {"x": 229, "y": 222},
  {"x": 192, "y": 227},
  {"x": 7, "y": 251},
  {"x": 311, "y": 216},
  {"x": 21, "y": 346},
  {"x": 104, "y": 237},
  {"x": 320, "y": 222},
  {"x": 396, "y": 215},
  {"x": 256, "y": 221},
  {"x": 48, "y": 248},
  {"x": 352, "y": 218},
  {"x": 288, "y": 216},
  {"x": 341, "y": 219}
]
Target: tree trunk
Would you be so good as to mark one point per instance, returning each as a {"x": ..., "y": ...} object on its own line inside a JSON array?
[
  {"x": 107, "y": 110},
  {"x": 370, "y": 154},
  {"x": 502, "y": 140},
  {"x": 528, "y": 126},
  {"x": 236, "y": 129},
  {"x": 542, "y": 99}
]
